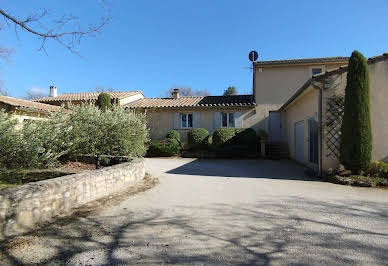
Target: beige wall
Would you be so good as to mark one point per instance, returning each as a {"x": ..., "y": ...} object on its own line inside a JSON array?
[
  {"x": 274, "y": 85},
  {"x": 160, "y": 121},
  {"x": 302, "y": 109}
]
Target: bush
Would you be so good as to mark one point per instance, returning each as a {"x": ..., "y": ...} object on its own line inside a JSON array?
[
  {"x": 223, "y": 135},
  {"x": 378, "y": 169},
  {"x": 165, "y": 147},
  {"x": 85, "y": 130},
  {"x": 356, "y": 137},
  {"x": 173, "y": 134},
  {"x": 198, "y": 138},
  {"x": 103, "y": 101},
  {"x": 115, "y": 132},
  {"x": 245, "y": 136},
  {"x": 235, "y": 136}
]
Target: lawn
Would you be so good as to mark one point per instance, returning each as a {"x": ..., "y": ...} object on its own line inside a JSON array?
[{"x": 13, "y": 178}]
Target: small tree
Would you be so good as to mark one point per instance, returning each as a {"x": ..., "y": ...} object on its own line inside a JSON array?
[
  {"x": 103, "y": 101},
  {"x": 230, "y": 91},
  {"x": 356, "y": 137}
]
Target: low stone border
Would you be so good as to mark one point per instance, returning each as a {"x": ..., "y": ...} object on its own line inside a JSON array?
[{"x": 22, "y": 208}]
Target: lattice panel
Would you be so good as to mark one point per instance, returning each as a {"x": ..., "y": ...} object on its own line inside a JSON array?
[{"x": 334, "y": 115}]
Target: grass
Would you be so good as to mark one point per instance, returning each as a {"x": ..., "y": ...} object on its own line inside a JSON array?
[{"x": 13, "y": 178}]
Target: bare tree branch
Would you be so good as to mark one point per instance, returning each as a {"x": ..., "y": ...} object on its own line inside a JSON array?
[{"x": 69, "y": 39}]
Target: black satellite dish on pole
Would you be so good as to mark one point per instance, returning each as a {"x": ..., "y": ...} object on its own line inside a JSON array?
[{"x": 253, "y": 56}]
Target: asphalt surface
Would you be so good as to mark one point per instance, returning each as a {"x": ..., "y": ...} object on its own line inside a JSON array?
[{"x": 220, "y": 212}]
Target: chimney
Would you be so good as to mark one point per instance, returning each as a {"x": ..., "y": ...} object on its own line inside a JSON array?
[
  {"x": 53, "y": 91},
  {"x": 175, "y": 94}
]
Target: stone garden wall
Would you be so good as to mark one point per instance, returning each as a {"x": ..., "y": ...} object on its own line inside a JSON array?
[{"x": 24, "y": 207}]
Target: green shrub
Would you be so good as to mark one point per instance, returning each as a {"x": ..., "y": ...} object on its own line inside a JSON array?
[
  {"x": 223, "y": 135},
  {"x": 165, "y": 147},
  {"x": 378, "y": 169},
  {"x": 235, "y": 136},
  {"x": 173, "y": 134},
  {"x": 198, "y": 138},
  {"x": 103, "y": 101},
  {"x": 245, "y": 136},
  {"x": 356, "y": 137},
  {"x": 115, "y": 132},
  {"x": 85, "y": 130}
]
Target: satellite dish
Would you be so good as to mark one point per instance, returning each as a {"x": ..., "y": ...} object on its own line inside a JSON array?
[{"x": 253, "y": 55}]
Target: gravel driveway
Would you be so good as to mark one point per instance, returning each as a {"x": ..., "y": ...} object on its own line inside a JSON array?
[{"x": 244, "y": 212}]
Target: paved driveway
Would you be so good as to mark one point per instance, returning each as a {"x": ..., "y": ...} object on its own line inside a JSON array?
[{"x": 223, "y": 212}]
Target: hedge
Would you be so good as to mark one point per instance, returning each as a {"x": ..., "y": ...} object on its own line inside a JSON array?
[
  {"x": 173, "y": 134},
  {"x": 198, "y": 138},
  {"x": 165, "y": 147},
  {"x": 235, "y": 136}
]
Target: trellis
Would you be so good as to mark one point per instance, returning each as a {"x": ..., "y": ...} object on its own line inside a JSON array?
[{"x": 334, "y": 116}]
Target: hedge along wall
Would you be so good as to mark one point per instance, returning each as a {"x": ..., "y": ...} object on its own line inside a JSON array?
[{"x": 24, "y": 207}]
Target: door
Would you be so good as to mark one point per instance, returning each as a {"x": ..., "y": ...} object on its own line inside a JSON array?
[
  {"x": 313, "y": 140},
  {"x": 275, "y": 133},
  {"x": 299, "y": 141}
]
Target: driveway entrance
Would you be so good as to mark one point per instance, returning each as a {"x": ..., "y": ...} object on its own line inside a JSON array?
[{"x": 221, "y": 212}]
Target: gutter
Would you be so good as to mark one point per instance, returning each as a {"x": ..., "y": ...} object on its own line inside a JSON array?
[{"x": 320, "y": 123}]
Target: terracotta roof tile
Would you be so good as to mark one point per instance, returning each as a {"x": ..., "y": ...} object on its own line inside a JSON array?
[
  {"x": 28, "y": 104},
  {"x": 303, "y": 61},
  {"x": 200, "y": 101},
  {"x": 66, "y": 97}
]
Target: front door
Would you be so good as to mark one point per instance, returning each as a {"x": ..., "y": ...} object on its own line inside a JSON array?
[
  {"x": 299, "y": 141},
  {"x": 313, "y": 140}
]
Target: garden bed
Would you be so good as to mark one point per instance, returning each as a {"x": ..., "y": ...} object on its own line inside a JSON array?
[
  {"x": 358, "y": 180},
  {"x": 13, "y": 178}
]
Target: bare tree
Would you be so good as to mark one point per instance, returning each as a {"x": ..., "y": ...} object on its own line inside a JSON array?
[
  {"x": 187, "y": 92},
  {"x": 103, "y": 89},
  {"x": 65, "y": 30},
  {"x": 3, "y": 92},
  {"x": 35, "y": 93}
]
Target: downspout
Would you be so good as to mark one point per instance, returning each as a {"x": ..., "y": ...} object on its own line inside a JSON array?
[{"x": 320, "y": 123}]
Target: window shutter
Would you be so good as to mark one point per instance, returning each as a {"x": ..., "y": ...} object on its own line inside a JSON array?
[
  {"x": 196, "y": 120},
  {"x": 217, "y": 120},
  {"x": 177, "y": 120},
  {"x": 238, "y": 120}
]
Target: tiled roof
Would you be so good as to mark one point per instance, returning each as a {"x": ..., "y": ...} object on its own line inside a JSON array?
[
  {"x": 303, "y": 61},
  {"x": 200, "y": 101},
  {"x": 28, "y": 104},
  {"x": 66, "y": 97}
]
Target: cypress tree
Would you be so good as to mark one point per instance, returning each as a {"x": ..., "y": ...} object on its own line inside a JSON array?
[
  {"x": 356, "y": 138},
  {"x": 103, "y": 101}
]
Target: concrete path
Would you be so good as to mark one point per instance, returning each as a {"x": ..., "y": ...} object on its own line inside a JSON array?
[{"x": 244, "y": 212}]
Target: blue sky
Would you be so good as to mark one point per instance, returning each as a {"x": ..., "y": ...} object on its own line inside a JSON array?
[{"x": 155, "y": 45}]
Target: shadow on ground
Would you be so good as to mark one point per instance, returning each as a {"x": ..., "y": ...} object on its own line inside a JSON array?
[
  {"x": 272, "y": 169},
  {"x": 263, "y": 233}
]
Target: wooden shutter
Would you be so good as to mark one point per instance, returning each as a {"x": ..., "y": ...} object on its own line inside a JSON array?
[
  {"x": 217, "y": 120},
  {"x": 238, "y": 120},
  {"x": 177, "y": 121},
  {"x": 196, "y": 120}
]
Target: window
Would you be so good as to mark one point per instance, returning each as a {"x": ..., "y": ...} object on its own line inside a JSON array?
[
  {"x": 186, "y": 120},
  {"x": 227, "y": 119},
  {"x": 316, "y": 71}
]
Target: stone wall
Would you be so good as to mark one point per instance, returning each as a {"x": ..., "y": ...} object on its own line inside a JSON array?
[{"x": 24, "y": 207}]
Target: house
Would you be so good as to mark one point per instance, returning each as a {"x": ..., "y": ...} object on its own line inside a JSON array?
[
  {"x": 120, "y": 98},
  {"x": 311, "y": 117},
  {"x": 274, "y": 82},
  {"x": 25, "y": 110},
  {"x": 185, "y": 113}
]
